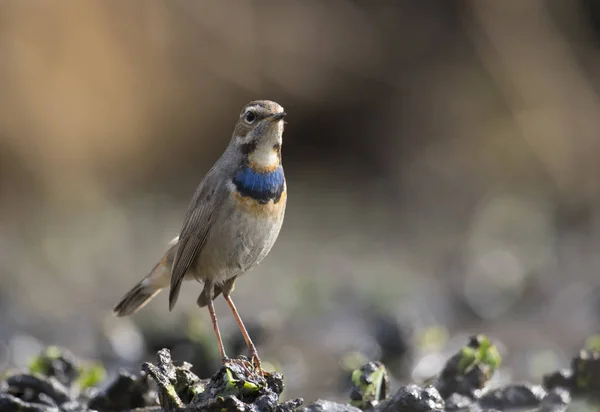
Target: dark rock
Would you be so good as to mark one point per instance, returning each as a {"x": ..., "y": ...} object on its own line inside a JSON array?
[
  {"x": 456, "y": 401},
  {"x": 127, "y": 391},
  {"x": 231, "y": 403},
  {"x": 187, "y": 384},
  {"x": 586, "y": 372},
  {"x": 265, "y": 402},
  {"x": 30, "y": 387},
  {"x": 556, "y": 401},
  {"x": 413, "y": 398},
  {"x": 275, "y": 382},
  {"x": 327, "y": 406},
  {"x": 9, "y": 403},
  {"x": 220, "y": 404},
  {"x": 235, "y": 387},
  {"x": 58, "y": 363},
  {"x": 59, "y": 381},
  {"x": 583, "y": 379},
  {"x": 290, "y": 406},
  {"x": 559, "y": 379},
  {"x": 193, "y": 344},
  {"x": 165, "y": 364},
  {"x": 470, "y": 369},
  {"x": 47, "y": 400},
  {"x": 165, "y": 378},
  {"x": 370, "y": 384},
  {"x": 513, "y": 396},
  {"x": 72, "y": 406}
]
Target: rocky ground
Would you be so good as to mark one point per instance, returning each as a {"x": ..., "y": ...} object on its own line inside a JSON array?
[{"x": 56, "y": 381}]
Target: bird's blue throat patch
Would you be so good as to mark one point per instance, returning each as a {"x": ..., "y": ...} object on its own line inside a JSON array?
[{"x": 261, "y": 187}]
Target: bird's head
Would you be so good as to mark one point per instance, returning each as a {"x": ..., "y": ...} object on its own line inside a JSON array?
[{"x": 258, "y": 134}]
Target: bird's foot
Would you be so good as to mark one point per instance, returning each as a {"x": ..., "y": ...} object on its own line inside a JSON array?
[
  {"x": 255, "y": 362},
  {"x": 251, "y": 366}
]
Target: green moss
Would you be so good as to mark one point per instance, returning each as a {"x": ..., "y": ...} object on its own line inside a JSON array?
[
  {"x": 87, "y": 374},
  {"x": 230, "y": 383},
  {"x": 238, "y": 387},
  {"x": 370, "y": 384},
  {"x": 483, "y": 353},
  {"x": 173, "y": 394},
  {"x": 468, "y": 360},
  {"x": 197, "y": 389},
  {"x": 91, "y": 374},
  {"x": 41, "y": 364}
]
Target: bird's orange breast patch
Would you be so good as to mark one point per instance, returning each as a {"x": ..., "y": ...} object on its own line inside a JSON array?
[{"x": 258, "y": 209}]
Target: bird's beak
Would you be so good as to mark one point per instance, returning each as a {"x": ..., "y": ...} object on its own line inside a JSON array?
[{"x": 277, "y": 117}]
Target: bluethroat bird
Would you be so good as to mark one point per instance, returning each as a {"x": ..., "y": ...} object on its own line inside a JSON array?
[{"x": 231, "y": 223}]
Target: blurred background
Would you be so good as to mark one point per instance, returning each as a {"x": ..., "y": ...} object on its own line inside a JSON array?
[{"x": 441, "y": 159}]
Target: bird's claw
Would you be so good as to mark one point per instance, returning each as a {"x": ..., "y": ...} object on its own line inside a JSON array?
[
  {"x": 251, "y": 365},
  {"x": 255, "y": 362}
]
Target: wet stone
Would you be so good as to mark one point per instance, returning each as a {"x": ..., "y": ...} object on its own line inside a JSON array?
[
  {"x": 370, "y": 384},
  {"x": 9, "y": 403},
  {"x": 235, "y": 387},
  {"x": 57, "y": 363},
  {"x": 328, "y": 406},
  {"x": 582, "y": 380},
  {"x": 290, "y": 405},
  {"x": 38, "y": 389},
  {"x": 586, "y": 372},
  {"x": 127, "y": 391},
  {"x": 413, "y": 398},
  {"x": 515, "y": 396},
  {"x": 167, "y": 396},
  {"x": 469, "y": 370},
  {"x": 456, "y": 402},
  {"x": 172, "y": 386},
  {"x": 559, "y": 379},
  {"x": 556, "y": 401}
]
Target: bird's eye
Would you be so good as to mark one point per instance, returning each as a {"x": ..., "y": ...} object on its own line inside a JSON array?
[{"x": 250, "y": 117}]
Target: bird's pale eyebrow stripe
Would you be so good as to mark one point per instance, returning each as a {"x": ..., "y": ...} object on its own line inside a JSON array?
[{"x": 253, "y": 107}]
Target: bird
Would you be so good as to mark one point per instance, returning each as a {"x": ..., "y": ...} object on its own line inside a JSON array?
[{"x": 231, "y": 224}]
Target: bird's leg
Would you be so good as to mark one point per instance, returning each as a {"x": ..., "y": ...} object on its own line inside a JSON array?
[
  {"x": 251, "y": 348},
  {"x": 213, "y": 317},
  {"x": 209, "y": 293}
]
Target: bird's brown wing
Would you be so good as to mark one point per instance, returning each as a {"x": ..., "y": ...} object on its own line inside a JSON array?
[{"x": 195, "y": 230}]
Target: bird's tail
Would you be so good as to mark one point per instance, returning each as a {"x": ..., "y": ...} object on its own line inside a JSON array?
[{"x": 149, "y": 287}]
